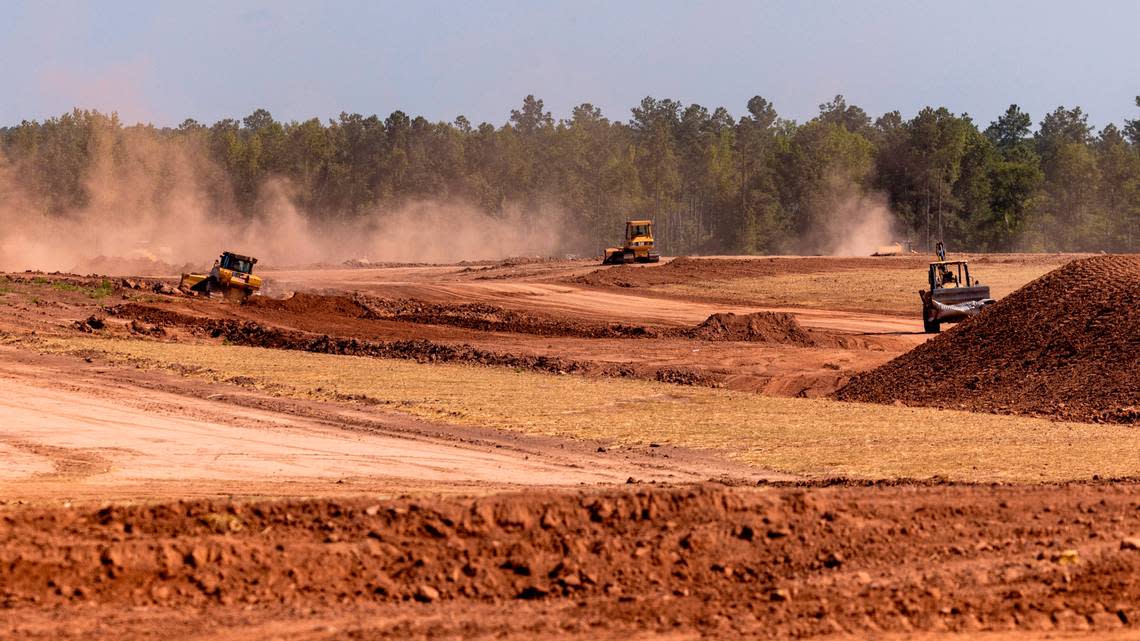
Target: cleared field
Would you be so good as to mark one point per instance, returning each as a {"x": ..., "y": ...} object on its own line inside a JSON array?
[
  {"x": 809, "y": 437},
  {"x": 871, "y": 290}
]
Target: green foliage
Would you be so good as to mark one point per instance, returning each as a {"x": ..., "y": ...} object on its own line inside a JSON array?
[
  {"x": 713, "y": 183},
  {"x": 104, "y": 289}
]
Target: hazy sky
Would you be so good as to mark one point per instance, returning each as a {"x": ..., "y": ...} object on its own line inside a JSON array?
[{"x": 164, "y": 61}]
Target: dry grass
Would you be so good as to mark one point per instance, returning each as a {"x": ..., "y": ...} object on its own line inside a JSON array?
[
  {"x": 872, "y": 290},
  {"x": 810, "y": 437}
]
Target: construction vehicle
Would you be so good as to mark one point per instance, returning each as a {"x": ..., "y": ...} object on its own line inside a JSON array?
[
  {"x": 638, "y": 245},
  {"x": 231, "y": 277},
  {"x": 896, "y": 248},
  {"x": 952, "y": 296}
]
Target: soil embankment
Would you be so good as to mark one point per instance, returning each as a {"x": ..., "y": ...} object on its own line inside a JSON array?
[
  {"x": 719, "y": 561},
  {"x": 476, "y": 316},
  {"x": 1066, "y": 345},
  {"x": 253, "y": 334}
]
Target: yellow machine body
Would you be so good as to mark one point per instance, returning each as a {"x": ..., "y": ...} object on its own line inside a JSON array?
[
  {"x": 638, "y": 246},
  {"x": 232, "y": 276}
]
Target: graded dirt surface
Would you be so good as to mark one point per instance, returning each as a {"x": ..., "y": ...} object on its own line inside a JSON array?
[
  {"x": 1067, "y": 345},
  {"x": 882, "y": 286},
  {"x": 88, "y": 431},
  {"x": 551, "y": 449}
]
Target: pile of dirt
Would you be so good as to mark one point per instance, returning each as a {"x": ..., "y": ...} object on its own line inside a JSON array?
[
  {"x": 1063, "y": 346},
  {"x": 762, "y": 327},
  {"x": 684, "y": 270},
  {"x": 253, "y": 334},
  {"x": 731, "y": 563}
]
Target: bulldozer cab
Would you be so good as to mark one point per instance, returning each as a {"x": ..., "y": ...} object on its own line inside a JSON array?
[
  {"x": 237, "y": 263},
  {"x": 949, "y": 273},
  {"x": 638, "y": 231}
]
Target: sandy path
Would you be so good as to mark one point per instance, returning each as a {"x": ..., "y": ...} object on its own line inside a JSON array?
[
  {"x": 94, "y": 431},
  {"x": 130, "y": 443}
]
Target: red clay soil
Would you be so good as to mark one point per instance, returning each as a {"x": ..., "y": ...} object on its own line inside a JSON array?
[
  {"x": 477, "y": 316},
  {"x": 722, "y": 562},
  {"x": 765, "y": 327},
  {"x": 1066, "y": 346}
]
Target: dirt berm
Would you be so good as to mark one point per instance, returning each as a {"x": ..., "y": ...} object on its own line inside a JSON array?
[
  {"x": 1066, "y": 345},
  {"x": 731, "y": 563},
  {"x": 255, "y": 334},
  {"x": 477, "y": 316}
]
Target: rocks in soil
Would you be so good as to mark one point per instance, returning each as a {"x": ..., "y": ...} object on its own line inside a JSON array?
[
  {"x": 680, "y": 548},
  {"x": 91, "y": 324},
  {"x": 139, "y": 328}
]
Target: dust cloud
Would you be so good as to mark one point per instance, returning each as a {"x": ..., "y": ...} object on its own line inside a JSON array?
[
  {"x": 158, "y": 207},
  {"x": 847, "y": 221}
]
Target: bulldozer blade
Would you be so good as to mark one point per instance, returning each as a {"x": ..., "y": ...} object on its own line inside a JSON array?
[{"x": 193, "y": 282}]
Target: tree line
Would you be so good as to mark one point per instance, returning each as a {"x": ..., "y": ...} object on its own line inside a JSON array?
[{"x": 715, "y": 183}]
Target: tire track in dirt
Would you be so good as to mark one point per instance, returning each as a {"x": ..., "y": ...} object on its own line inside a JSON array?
[{"x": 70, "y": 463}]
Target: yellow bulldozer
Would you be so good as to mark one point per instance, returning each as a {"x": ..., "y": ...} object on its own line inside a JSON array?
[
  {"x": 231, "y": 277},
  {"x": 638, "y": 245}
]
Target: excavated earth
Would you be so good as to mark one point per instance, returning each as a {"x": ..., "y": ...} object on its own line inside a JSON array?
[
  {"x": 1066, "y": 345},
  {"x": 662, "y": 561},
  {"x": 254, "y": 334},
  {"x": 477, "y": 316},
  {"x": 426, "y": 331}
]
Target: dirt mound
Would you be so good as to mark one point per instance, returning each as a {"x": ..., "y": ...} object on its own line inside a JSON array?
[
  {"x": 762, "y": 327},
  {"x": 730, "y": 563},
  {"x": 1064, "y": 346}
]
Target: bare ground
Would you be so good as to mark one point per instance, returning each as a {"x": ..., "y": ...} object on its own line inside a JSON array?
[{"x": 158, "y": 503}]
